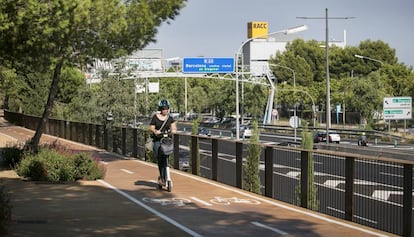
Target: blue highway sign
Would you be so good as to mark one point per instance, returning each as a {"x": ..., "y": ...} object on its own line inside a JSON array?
[{"x": 208, "y": 65}]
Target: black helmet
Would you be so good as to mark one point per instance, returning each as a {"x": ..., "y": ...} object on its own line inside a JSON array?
[{"x": 163, "y": 104}]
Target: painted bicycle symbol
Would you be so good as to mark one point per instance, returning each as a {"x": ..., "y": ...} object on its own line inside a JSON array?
[
  {"x": 228, "y": 201},
  {"x": 167, "y": 201}
]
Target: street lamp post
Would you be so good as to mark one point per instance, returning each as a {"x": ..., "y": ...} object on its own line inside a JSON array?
[
  {"x": 294, "y": 90},
  {"x": 382, "y": 64},
  {"x": 328, "y": 90},
  {"x": 372, "y": 59},
  {"x": 284, "y": 32}
]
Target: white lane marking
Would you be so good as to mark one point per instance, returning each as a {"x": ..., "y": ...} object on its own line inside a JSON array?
[
  {"x": 281, "y": 205},
  {"x": 269, "y": 228},
  {"x": 104, "y": 162},
  {"x": 293, "y": 173},
  {"x": 359, "y": 217},
  {"x": 384, "y": 194},
  {"x": 393, "y": 175},
  {"x": 201, "y": 201},
  {"x": 166, "y": 218},
  {"x": 333, "y": 183},
  {"x": 127, "y": 171}
]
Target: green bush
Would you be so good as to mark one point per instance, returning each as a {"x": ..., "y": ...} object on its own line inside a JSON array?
[
  {"x": 5, "y": 212},
  {"x": 53, "y": 165},
  {"x": 47, "y": 164},
  {"x": 11, "y": 156},
  {"x": 85, "y": 167}
]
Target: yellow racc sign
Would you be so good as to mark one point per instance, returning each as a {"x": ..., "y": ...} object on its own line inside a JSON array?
[{"x": 257, "y": 28}]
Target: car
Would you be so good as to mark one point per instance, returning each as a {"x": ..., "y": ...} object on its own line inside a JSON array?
[
  {"x": 227, "y": 122},
  {"x": 245, "y": 131},
  {"x": 320, "y": 136},
  {"x": 204, "y": 131}
]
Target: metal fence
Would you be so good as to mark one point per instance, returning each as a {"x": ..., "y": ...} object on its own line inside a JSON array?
[{"x": 370, "y": 190}]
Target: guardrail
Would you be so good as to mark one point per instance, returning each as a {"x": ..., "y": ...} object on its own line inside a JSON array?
[
  {"x": 330, "y": 182},
  {"x": 373, "y": 135}
]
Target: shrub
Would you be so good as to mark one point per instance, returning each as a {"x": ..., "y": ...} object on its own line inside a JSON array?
[
  {"x": 5, "y": 212},
  {"x": 11, "y": 156},
  {"x": 47, "y": 164},
  {"x": 52, "y": 165},
  {"x": 85, "y": 167}
]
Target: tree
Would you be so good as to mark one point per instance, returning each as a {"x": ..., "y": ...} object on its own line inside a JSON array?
[
  {"x": 251, "y": 167},
  {"x": 307, "y": 143},
  {"x": 50, "y": 34}
]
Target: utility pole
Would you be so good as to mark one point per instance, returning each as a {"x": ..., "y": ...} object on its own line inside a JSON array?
[{"x": 328, "y": 88}]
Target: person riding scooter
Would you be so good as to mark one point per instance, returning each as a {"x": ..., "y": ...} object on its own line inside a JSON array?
[{"x": 363, "y": 140}]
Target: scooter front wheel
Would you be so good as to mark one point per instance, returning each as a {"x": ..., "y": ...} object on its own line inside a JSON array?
[{"x": 169, "y": 186}]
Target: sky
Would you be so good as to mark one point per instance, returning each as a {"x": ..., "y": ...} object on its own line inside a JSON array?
[{"x": 217, "y": 28}]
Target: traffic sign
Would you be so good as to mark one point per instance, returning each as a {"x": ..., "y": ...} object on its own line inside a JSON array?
[
  {"x": 397, "y": 113},
  {"x": 397, "y": 108},
  {"x": 208, "y": 65},
  {"x": 397, "y": 102},
  {"x": 294, "y": 121}
]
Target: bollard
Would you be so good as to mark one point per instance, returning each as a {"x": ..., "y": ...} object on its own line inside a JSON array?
[
  {"x": 220, "y": 134},
  {"x": 376, "y": 141},
  {"x": 395, "y": 142}
]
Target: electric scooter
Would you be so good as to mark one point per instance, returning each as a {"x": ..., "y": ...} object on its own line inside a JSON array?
[{"x": 167, "y": 183}]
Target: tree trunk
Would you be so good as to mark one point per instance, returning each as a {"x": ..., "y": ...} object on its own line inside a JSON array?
[{"x": 34, "y": 143}]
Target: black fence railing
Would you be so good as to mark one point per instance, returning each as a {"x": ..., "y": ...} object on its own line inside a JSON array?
[{"x": 371, "y": 190}]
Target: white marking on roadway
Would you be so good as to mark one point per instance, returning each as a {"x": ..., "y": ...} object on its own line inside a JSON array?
[
  {"x": 281, "y": 205},
  {"x": 293, "y": 173},
  {"x": 201, "y": 201},
  {"x": 383, "y": 194},
  {"x": 157, "y": 213},
  {"x": 333, "y": 183},
  {"x": 393, "y": 175},
  {"x": 362, "y": 218},
  {"x": 127, "y": 171},
  {"x": 364, "y": 182},
  {"x": 269, "y": 228}
]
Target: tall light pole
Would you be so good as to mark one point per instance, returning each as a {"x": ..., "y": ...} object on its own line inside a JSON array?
[
  {"x": 294, "y": 90},
  {"x": 328, "y": 88},
  {"x": 382, "y": 64},
  {"x": 238, "y": 53}
]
